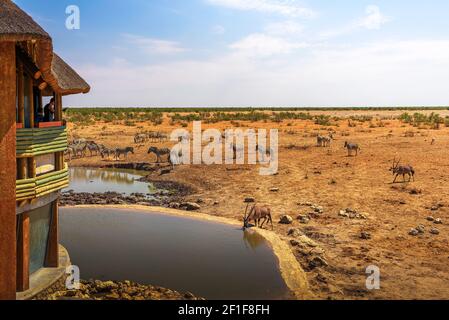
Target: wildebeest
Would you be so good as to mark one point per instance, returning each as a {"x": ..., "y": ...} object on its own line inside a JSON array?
[
  {"x": 397, "y": 170},
  {"x": 159, "y": 152},
  {"x": 352, "y": 147},
  {"x": 256, "y": 214},
  {"x": 124, "y": 151}
]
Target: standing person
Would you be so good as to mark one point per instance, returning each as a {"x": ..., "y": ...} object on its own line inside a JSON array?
[
  {"x": 40, "y": 114},
  {"x": 49, "y": 111}
]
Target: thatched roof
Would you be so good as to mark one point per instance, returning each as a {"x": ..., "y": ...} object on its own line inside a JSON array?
[
  {"x": 16, "y": 25},
  {"x": 67, "y": 80}
]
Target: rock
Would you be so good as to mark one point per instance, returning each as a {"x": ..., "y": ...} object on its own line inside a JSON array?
[
  {"x": 434, "y": 208},
  {"x": 365, "y": 235},
  {"x": 191, "y": 206},
  {"x": 189, "y": 295},
  {"x": 430, "y": 218},
  {"x": 421, "y": 228},
  {"x": 294, "y": 242},
  {"x": 317, "y": 262},
  {"x": 434, "y": 231},
  {"x": 317, "y": 209},
  {"x": 216, "y": 203},
  {"x": 286, "y": 219},
  {"x": 304, "y": 219},
  {"x": 199, "y": 201},
  {"x": 294, "y": 232},
  {"x": 306, "y": 241},
  {"x": 274, "y": 189},
  {"x": 250, "y": 200},
  {"x": 174, "y": 205},
  {"x": 343, "y": 213},
  {"x": 438, "y": 221},
  {"x": 113, "y": 296},
  {"x": 106, "y": 286},
  {"x": 413, "y": 232}
]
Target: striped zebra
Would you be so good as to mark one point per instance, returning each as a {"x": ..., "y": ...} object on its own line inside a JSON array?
[
  {"x": 159, "y": 152},
  {"x": 352, "y": 147}
]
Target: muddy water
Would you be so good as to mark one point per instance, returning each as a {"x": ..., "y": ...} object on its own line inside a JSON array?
[
  {"x": 104, "y": 180},
  {"x": 211, "y": 260}
]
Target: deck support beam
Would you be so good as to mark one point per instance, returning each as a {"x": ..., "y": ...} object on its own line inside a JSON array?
[{"x": 8, "y": 170}]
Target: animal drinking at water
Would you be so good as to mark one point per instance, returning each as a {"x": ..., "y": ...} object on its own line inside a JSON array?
[{"x": 256, "y": 214}]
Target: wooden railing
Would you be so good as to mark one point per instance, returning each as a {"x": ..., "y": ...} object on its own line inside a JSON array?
[
  {"x": 40, "y": 186},
  {"x": 39, "y": 141}
]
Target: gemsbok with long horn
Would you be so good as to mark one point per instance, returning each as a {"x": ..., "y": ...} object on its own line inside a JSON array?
[
  {"x": 256, "y": 214},
  {"x": 397, "y": 170}
]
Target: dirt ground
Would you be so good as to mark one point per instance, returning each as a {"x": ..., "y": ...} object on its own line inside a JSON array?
[{"x": 411, "y": 267}]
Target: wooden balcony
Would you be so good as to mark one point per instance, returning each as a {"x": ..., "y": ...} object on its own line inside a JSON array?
[
  {"x": 39, "y": 141},
  {"x": 27, "y": 189}
]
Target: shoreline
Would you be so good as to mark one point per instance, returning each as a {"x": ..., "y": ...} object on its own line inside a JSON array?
[{"x": 290, "y": 269}]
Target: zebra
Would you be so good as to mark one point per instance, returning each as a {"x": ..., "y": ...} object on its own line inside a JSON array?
[
  {"x": 351, "y": 147},
  {"x": 163, "y": 137},
  {"x": 80, "y": 149},
  {"x": 140, "y": 138},
  {"x": 107, "y": 152},
  {"x": 93, "y": 147},
  {"x": 397, "y": 170},
  {"x": 264, "y": 153},
  {"x": 159, "y": 152},
  {"x": 153, "y": 136},
  {"x": 125, "y": 151},
  {"x": 323, "y": 141},
  {"x": 69, "y": 152}
]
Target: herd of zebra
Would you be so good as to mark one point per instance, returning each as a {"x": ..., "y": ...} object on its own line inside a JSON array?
[
  {"x": 153, "y": 136},
  {"x": 79, "y": 148}
]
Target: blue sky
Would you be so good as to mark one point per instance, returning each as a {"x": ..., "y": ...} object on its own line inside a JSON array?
[{"x": 254, "y": 52}]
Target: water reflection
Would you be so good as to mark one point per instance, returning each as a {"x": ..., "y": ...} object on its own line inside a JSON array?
[
  {"x": 253, "y": 239},
  {"x": 104, "y": 180},
  {"x": 208, "y": 259}
]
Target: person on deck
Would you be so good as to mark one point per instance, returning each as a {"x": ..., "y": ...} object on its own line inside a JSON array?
[
  {"x": 40, "y": 114},
  {"x": 49, "y": 111}
]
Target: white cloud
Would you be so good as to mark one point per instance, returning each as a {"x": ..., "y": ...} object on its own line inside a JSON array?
[
  {"x": 377, "y": 74},
  {"x": 282, "y": 7},
  {"x": 373, "y": 20},
  {"x": 154, "y": 46},
  {"x": 284, "y": 28},
  {"x": 262, "y": 45}
]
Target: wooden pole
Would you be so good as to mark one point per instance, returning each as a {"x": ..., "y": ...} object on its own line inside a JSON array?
[
  {"x": 52, "y": 257},
  {"x": 31, "y": 100},
  {"x": 58, "y": 107},
  {"x": 20, "y": 96},
  {"x": 23, "y": 253},
  {"x": 7, "y": 171}
]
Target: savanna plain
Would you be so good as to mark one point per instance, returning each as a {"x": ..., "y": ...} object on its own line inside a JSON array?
[{"x": 346, "y": 212}]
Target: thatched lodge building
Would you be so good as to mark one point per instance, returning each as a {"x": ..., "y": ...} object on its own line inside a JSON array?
[{"x": 32, "y": 145}]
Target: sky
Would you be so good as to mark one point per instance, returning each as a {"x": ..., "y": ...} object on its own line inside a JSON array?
[{"x": 310, "y": 53}]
